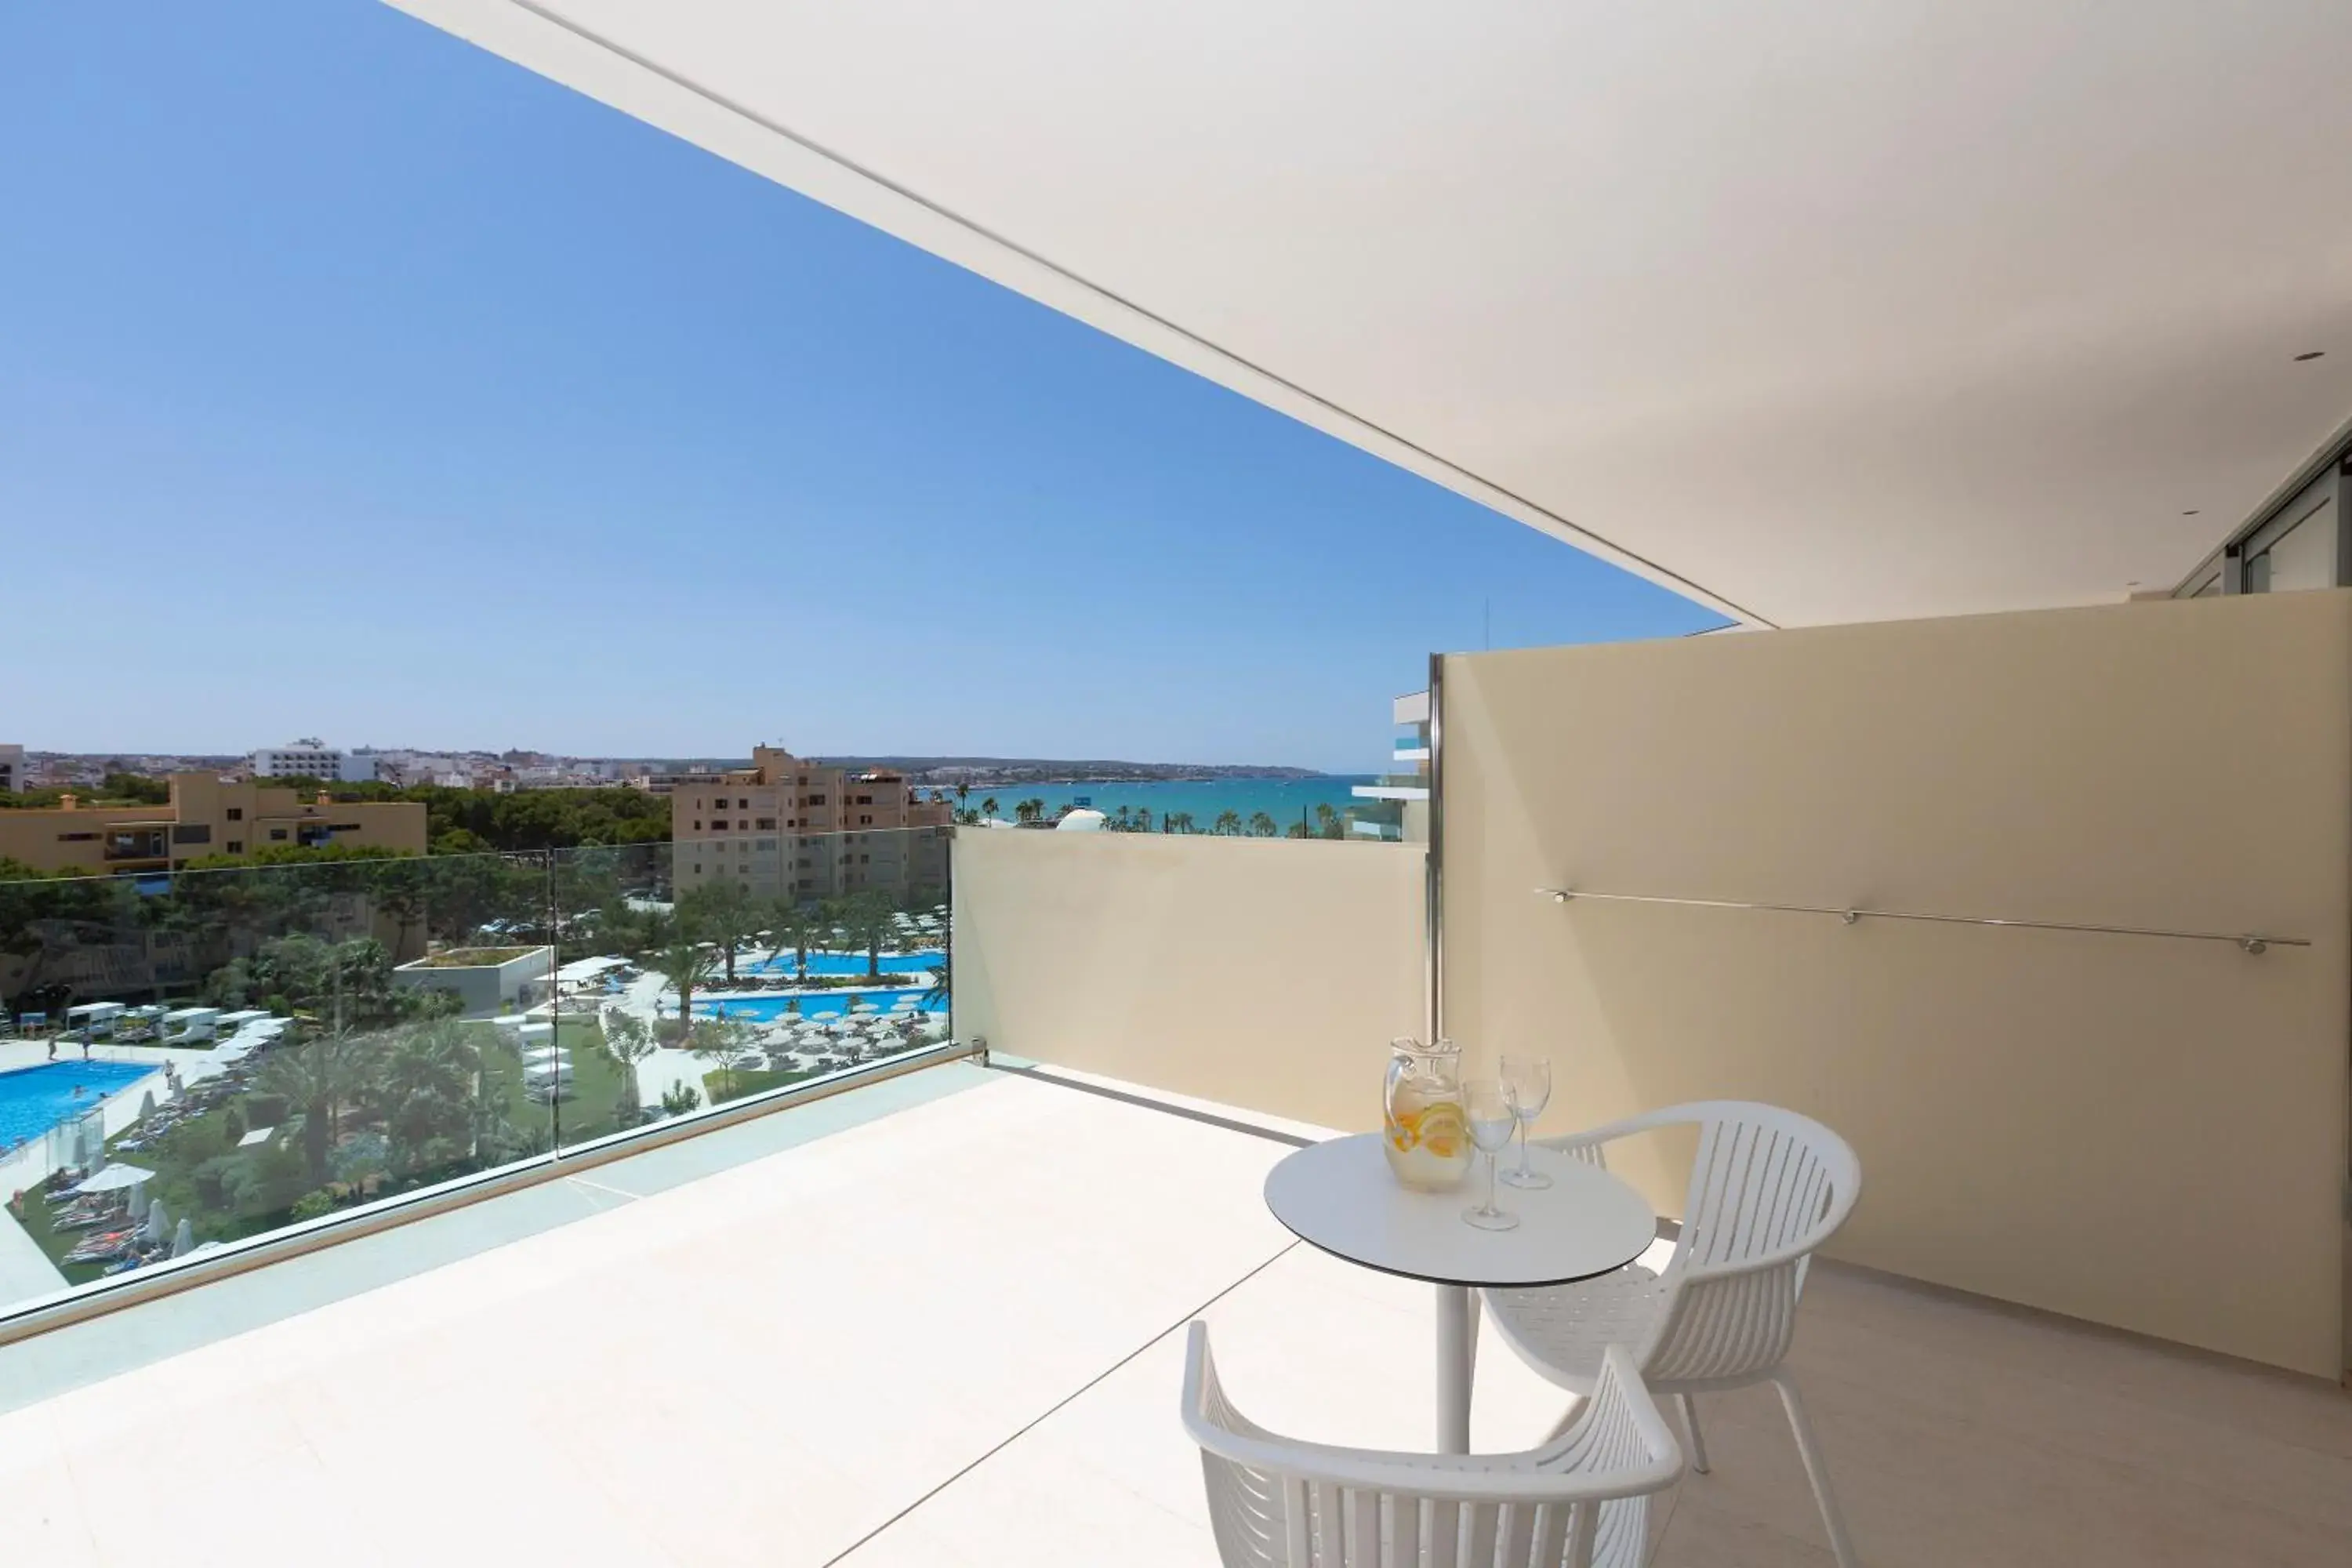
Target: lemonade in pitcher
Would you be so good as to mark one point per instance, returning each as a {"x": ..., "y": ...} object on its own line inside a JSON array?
[{"x": 1428, "y": 1143}]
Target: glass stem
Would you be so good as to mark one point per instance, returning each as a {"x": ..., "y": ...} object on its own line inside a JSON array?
[
  {"x": 1523, "y": 1146},
  {"x": 1491, "y": 1163}
]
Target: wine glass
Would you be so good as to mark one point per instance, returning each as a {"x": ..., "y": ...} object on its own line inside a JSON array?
[
  {"x": 1487, "y": 1111},
  {"x": 1528, "y": 1080}
]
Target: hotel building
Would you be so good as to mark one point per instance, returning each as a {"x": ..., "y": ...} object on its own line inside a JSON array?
[
  {"x": 205, "y": 815},
  {"x": 785, "y": 826}
]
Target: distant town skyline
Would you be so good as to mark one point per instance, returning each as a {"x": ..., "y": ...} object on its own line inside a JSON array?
[{"x": 361, "y": 383}]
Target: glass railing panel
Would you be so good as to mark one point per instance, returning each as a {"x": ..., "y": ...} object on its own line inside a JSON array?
[
  {"x": 748, "y": 963},
  {"x": 195, "y": 1059}
]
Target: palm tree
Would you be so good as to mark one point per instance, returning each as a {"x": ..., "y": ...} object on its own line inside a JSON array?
[
  {"x": 1030, "y": 810},
  {"x": 869, "y": 919},
  {"x": 321, "y": 1080},
  {"x": 963, "y": 793},
  {"x": 423, "y": 1089},
  {"x": 988, "y": 807},
  {"x": 1228, "y": 825},
  {"x": 1125, "y": 821},
  {"x": 1327, "y": 820},
  {"x": 1143, "y": 819},
  {"x": 1261, "y": 825},
  {"x": 941, "y": 994},
  {"x": 793, "y": 927},
  {"x": 722, "y": 912},
  {"x": 491, "y": 1120},
  {"x": 685, "y": 965},
  {"x": 1180, "y": 822}
]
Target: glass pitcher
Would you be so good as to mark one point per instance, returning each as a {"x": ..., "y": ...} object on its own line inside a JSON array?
[{"x": 1428, "y": 1143}]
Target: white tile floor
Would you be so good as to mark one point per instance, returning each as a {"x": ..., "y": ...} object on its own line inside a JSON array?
[
  {"x": 767, "y": 1365},
  {"x": 951, "y": 1335}
]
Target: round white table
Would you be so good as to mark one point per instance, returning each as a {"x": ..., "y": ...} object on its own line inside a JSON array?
[{"x": 1340, "y": 1197}]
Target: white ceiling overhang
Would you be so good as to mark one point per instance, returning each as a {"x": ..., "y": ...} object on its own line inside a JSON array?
[{"x": 1815, "y": 312}]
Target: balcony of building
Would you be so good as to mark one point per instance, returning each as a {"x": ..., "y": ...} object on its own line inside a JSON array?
[
  {"x": 912, "y": 1286},
  {"x": 940, "y": 1320},
  {"x": 1992, "y": 373}
]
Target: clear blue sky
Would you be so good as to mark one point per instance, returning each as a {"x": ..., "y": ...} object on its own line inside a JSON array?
[{"x": 353, "y": 382}]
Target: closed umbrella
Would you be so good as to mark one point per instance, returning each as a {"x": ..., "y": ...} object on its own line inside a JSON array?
[
  {"x": 159, "y": 1223},
  {"x": 139, "y": 1201},
  {"x": 184, "y": 1240}
]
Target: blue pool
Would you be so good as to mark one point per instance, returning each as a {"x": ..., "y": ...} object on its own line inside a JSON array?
[
  {"x": 767, "y": 1009},
  {"x": 33, "y": 1100},
  {"x": 846, "y": 963}
]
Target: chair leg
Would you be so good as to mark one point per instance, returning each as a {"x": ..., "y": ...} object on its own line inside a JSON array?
[
  {"x": 1808, "y": 1449},
  {"x": 1690, "y": 1426}
]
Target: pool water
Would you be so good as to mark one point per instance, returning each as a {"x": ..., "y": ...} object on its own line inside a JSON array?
[
  {"x": 33, "y": 1100},
  {"x": 845, "y": 963},
  {"x": 767, "y": 1009}
]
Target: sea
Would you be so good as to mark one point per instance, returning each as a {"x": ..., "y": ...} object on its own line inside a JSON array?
[{"x": 1285, "y": 800}]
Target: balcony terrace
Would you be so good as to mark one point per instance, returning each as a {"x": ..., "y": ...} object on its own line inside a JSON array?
[
  {"x": 1982, "y": 376},
  {"x": 939, "y": 1321}
]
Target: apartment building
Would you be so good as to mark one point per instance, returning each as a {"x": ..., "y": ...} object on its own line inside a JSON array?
[
  {"x": 12, "y": 768},
  {"x": 311, "y": 758},
  {"x": 205, "y": 815},
  {"x": 785, "y": 826}
]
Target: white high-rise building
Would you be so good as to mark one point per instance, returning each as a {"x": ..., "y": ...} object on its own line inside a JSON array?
[{"x": 311, "y": 758}]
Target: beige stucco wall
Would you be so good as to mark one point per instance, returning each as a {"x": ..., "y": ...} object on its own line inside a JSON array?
[
  {"x": 2145, "y": 1133},
  {"x": 1266, "y": 972}
]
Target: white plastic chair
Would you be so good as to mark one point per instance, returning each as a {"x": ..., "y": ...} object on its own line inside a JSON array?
[
  {"x": 1766, "y": 1188},
  {"x": 1580, "y": 1499}
]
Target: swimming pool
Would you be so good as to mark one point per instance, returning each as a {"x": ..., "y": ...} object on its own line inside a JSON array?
[
  {"x": 33, "y": 1100},
  {"x": 823, "y": 1005},
  {"x": 846, "y": 963}
]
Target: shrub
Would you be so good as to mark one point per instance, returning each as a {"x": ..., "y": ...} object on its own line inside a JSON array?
[{"x": 211, "y": 1178}]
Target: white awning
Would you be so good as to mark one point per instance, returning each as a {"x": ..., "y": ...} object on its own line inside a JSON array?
[{"x": 1817, "y": 312}]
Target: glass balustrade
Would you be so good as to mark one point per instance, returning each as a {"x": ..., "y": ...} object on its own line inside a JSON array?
[{"x": 193, "y": 1060}]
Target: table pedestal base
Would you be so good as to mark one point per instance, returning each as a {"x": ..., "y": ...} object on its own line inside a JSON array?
[{"x": 1457, "y": 1364}]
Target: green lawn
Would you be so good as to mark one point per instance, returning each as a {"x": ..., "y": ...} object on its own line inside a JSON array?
[
  {"x": 56, "y": 1243},
  {"x": 721, "y": 1084},
  {"x": 596, "y": 1081}
]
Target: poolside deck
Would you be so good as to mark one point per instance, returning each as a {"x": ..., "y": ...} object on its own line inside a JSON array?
[{"x": 948, "y": 1332}]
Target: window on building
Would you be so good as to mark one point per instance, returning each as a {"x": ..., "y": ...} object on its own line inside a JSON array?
[
  {"x": 192, "y": 833},
  {"x": 864, "y": 820},
  {"x": 236, "y": 845},
  {"x": 236, "y": 814},
  {"x": 816, "y": 800},
  {"x": 86, "y": 837},
  {"x": 864, "y": 859},
  {"x": 697, "y": 824},
  {"x": 277, "y": 835},
  {"x": 767, "y": 825},
  {"x": 718, "y": 824},
  {"x": 743, "y": 806},
  {"x": 865, "y": 800}
]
